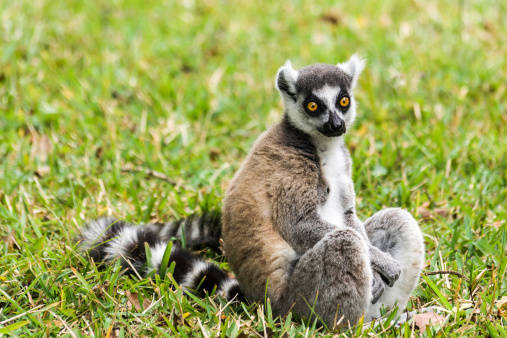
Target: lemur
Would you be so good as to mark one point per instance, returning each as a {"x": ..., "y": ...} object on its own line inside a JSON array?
[{"x": 288, "y": 221}]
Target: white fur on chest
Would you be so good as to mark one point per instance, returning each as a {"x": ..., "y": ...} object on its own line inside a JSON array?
[{"x": 334, "y": 169}]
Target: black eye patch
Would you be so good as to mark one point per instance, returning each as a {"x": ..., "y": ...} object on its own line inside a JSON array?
[{"x": 314, "y": 106}]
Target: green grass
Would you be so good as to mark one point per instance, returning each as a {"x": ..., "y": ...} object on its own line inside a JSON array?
[{"x": 90, "y": 87}]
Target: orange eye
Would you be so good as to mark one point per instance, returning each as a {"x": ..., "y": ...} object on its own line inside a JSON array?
[
  {"x": 344, "y": 101},
  {"x": 312, "y": 106}
]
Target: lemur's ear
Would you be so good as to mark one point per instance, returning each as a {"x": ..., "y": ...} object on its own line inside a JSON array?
[
  {"x": 353, "y": 67},
  {"x": 286, "y": 80}
]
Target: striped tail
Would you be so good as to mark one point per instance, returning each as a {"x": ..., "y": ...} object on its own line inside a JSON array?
[{"x": 107, "y": 239}]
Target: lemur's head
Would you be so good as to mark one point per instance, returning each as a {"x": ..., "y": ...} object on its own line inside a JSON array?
[{"x": 318, "y": 98}]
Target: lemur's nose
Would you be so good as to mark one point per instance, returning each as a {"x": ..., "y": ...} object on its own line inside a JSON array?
[{"x": 336, "y": 124}]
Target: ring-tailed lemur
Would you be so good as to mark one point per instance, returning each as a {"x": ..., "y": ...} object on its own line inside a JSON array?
[{"x": 289, "y": 224}]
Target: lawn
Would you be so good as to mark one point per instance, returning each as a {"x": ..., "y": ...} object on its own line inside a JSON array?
[{"x": 92, "y": 91}]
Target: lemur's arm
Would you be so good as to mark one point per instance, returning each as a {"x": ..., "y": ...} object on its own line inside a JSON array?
[
  {"x": 381, "y": 262},
  {"x": 303, "y": 233},
  {"x": 306, "y": 232},
  {"x": 295, "y": 216}
]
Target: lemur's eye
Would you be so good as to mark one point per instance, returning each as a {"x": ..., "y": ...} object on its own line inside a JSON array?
[
  {"x": 344, "y": 101},
  {"x": 312, "y": 106}
]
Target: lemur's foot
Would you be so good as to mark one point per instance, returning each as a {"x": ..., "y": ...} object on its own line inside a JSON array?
[{"x": 377, "y": 288}]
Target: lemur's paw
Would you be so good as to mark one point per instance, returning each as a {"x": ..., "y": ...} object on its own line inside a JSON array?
[
  {"x": 377, "y": 287},
  {"x": 383, "y": 263},
  {"x": 390, "y": 272}
]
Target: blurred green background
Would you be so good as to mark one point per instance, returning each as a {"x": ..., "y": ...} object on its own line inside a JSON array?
[{"x": 91, "y": 89}]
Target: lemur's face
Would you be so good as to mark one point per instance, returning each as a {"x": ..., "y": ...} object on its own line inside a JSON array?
[{"x": 318, "y": 98}]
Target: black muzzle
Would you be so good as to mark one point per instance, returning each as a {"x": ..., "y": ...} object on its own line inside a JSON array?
[{"x": 334, "y": 127}]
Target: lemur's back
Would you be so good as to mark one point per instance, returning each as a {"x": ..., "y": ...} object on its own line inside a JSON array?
[{"x": 255, "y": 249}]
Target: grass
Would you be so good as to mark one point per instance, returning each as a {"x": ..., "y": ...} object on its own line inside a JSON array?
[{"x": 88, "y": 88}]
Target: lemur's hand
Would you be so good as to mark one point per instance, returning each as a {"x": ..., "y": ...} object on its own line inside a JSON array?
[
  {"x": 377, "y": 287},
  {"x": 386, "y": 266}
]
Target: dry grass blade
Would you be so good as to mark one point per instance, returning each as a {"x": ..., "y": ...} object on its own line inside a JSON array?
[
  {"x": 446, "y": 272},
  {"x": 149, "y": 173}
]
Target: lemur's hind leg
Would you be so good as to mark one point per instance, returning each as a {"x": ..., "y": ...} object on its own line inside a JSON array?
[
  {"x": 334, "y": 278},
  {"x": 396, "y": 232}
]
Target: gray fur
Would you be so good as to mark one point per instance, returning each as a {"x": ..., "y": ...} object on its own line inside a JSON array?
[
  {"x": 317, "y": 75},
  {"x": 327, "y": 276},
  {"x": 382, "y": 263},
  {"x": 289, "y": 216},
  {"x": 377, "y": 288},
  {"x": 395, "y": 232}
]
